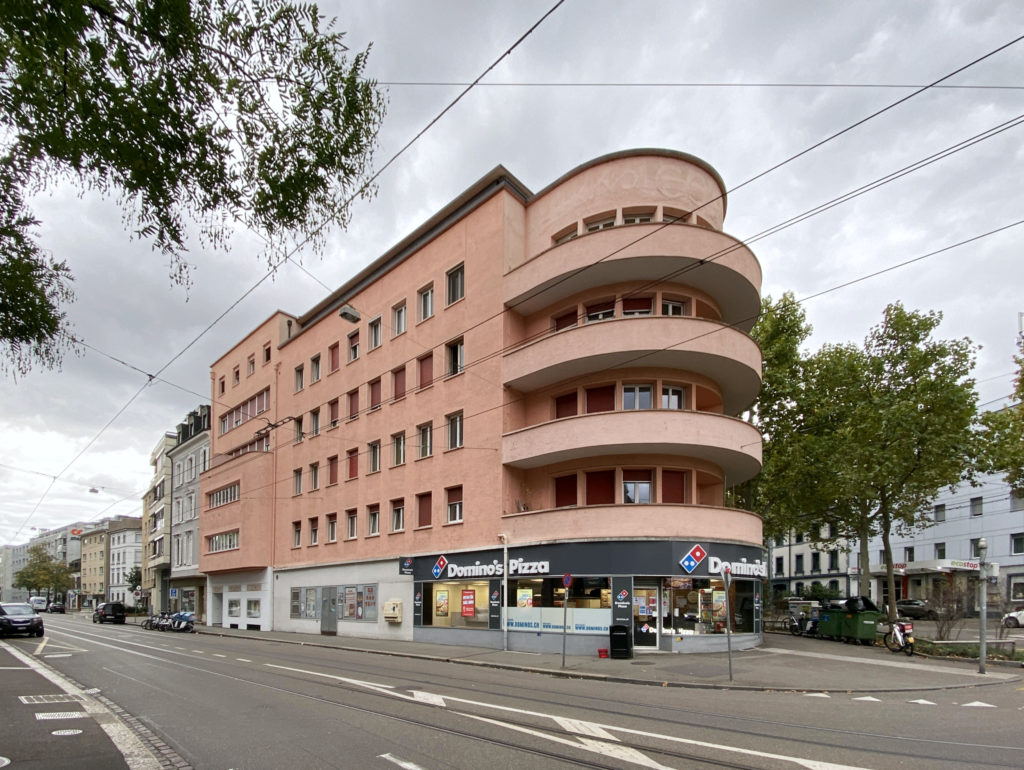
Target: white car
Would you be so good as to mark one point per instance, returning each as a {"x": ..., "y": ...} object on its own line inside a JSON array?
[{"x": 1014, "y": 619}]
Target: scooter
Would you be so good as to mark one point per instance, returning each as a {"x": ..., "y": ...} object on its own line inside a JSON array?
[
  {"x": 164, "y": 621},
  {"x": 183, "y": 622},
  {"x": 803, "y": 626},
  {"x": 900, "y": 637}
]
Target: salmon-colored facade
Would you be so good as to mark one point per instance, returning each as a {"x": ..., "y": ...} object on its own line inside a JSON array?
[{"x": 542, "y": 384}]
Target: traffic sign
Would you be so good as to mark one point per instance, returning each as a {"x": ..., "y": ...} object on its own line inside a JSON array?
[{"x": 567, "y": 580}]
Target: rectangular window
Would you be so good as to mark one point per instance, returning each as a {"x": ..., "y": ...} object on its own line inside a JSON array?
[
  {"x": 373, "y": 520},
  {"x": 332, "y": 470},
  {"x": 425, "y": 299},
  {"x": 266, "y": 353},
  {"x": 636, "y": 487},
  {"x": 426, "y": 370},
  {"x": 456, "y": 284},
  {"x": 600, "y": 224},
  {"x": 334, "y": 410},
  {"x": 815, "y": 562},
  {"x": 375, "y": 334},
  {"x": 640, "y": 218},
  {"x": 297, "y": 481},
  {"x": 298, "y": 430},
  {"x": 799, "y": 570},
  {"x": 1017, "y": 544},
  {"x": 975, "y": 553},
  {"x": 228, "y": 494},
  {"x": 373, "y": 449},
  {"x": 352, "y": 525},
  {"x": 314, "y": 422},
  {"x": 424, "y": 507},
  {"x": 673, "y": 487},
  {"x": 940, "y": 550},
  {"x": 332, "y": 528},
  {"x": 833, "y": 560},
  {"x": 637, "y": 397},
  {"x": 398, "y": 321},
  {"x": 251, "y": 365},
  {"x": 454, "y": 430},
  {"x": 600, "y": 487},
  {"x": 600, "y": 311},
  {"x": 600, "y": 399},
  {"x": 314, "y": 531},
  {"x": 353, "y": 404},
  {"x": 398, "y": 449},
  {"x": 1016, "y": 501},
  {"x": 637, "y": 306},
  {"x": 398, "y": 383},
  {"x": 334, "y": 356},
  {"x": 673, "y": 308},
  {"x": 976, "y": 506},
  {"x": 220, "y": 386},
  {"x": 353, "y": 462},
  {"x": 908, "y": 554},
  {"x": 673, "y": 398},
  {"x": 398, "y": 515},
  {"x": 426, "y": 436},
  {"x": 566, "y": 405},
  {"x": 778, "y": 566},
  {"x": 565, "y": 491},
  {"x": 314, "y": 476},
  {"x": 375, "y": 394},
  {"x": 353, "y": 346},
  {"x": 296, "y": 534},
  {"x": 234, "y": 376},
  {"x": 456, "y": 357},
  {"x": 566, "y": 320},
  {"x": 940, "y": 512},
  {"x": 225, "y": 541},
  {"x": 454, "y": 504},
  {"x": 298, "y": 377}
]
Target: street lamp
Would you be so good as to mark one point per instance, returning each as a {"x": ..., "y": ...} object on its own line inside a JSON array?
[{"x": 982, "y": 603}]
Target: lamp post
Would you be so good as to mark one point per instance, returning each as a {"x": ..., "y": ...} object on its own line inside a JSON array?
[{"x": 982, "y": 603}]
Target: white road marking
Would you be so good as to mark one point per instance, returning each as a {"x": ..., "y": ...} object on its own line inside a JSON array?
[
  {"x": 404, "y": 764},
  {"x": 42, "y": 644},
  {"x": 218, "y": 655},
  {"x": 817, "y": 695},
  {"x": 922, "y": 702},
  {"x": 869, "y": 698},
  {"x": 58, "y": 655},
  {"x": 243, "y": 660},
  {"x": 428, "y": 697},
  {"x": 584, "y": 728},
  {"x": 979, "y": 704},
  {"x": 61, "y": 715},
  {"x": 888, "y": 663}
]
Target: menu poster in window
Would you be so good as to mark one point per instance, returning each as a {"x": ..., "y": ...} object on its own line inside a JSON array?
[
  {"x": 468, "y": 603},
  {"x": 350, "y": 601},
  {"x": 524, "y": 597},
  {"x": 441, "y": 604}
]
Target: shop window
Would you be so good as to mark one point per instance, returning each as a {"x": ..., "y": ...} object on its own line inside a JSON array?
[
  {"x": 424, "y": 509},
  {"x": 455, "y": 284},
  {"x": 637, "y": 397},
  {"x": 398, "y": 383},
  {"x": 600, "y": 311},
  {"x": 358, "y": 602},
  {"x": 426, "y": 370},
  {"x": 454, "y": 504},
  {"x": 637, "y": 306},
  {"x": 566, "y": 405},
  {"x": 304, "y": 603},
  {"x": 375, "y": 394},
  {"x": 565, "y": 491},
  {"x": 636, "y": 487},
  {"x": 600, "y": 488},
  {"x": 673, "y": 487},
  {"x": 600, "y": 399},
  {"x": 566, "y": 320}
]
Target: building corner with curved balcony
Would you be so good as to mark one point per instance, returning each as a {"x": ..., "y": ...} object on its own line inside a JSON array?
[{"x": 518, "y": 424}]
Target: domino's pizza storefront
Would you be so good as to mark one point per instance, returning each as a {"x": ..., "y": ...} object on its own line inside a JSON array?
[{"x": 670, "y": 594}]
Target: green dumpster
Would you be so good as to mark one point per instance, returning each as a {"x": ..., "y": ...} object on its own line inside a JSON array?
[
  {"x": 830, "y": 622},
  {"x": 859, "y": 623}
]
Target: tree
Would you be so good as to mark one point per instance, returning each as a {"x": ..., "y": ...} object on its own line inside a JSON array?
[
  {"x": 881, "y": 430},
  {"x": 1004, "y": 436},
  {"x": 134, "y": 578},
  {"x": 217, "y": 114},
  {"x": 43, "y": 574}
]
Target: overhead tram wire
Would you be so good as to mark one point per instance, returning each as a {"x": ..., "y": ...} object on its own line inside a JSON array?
[{"x": 652, "y": 84}]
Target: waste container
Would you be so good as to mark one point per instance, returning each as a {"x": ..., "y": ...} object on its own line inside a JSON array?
[
  {"x": 620, "y": 644},
  {"x": 860, "y": 620},
  {"x": 830, "y": 621}
]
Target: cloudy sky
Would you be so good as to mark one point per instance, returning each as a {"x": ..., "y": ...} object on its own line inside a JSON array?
[{"x": 742, "y": 85}]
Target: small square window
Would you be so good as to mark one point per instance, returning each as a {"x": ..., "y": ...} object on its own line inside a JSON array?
[
  {"x": 456, "y": 284},
  {"x": 454, "y": 505}
]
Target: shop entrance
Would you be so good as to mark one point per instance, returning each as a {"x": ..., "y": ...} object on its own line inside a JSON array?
[{"x": 645, "y": 615}]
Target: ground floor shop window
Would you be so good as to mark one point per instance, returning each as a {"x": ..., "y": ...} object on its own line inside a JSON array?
[
  {"x": 305, "y": 603},
  {"x": 358, "y": 602},
  {"x": 536, "y": 605}
]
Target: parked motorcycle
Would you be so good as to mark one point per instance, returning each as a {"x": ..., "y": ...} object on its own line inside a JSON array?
[
  {"x": 900, "y": 637},
  {"x": 163, "y": 623},
  {"x": 183, "y": 622},
  {"x": 803, "y": 626}
]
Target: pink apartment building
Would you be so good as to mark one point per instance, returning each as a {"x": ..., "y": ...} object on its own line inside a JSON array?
[{"x": 529, "y": 386}]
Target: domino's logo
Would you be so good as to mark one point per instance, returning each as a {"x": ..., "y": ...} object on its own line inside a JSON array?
[
  {"x": 622, "y": 595},
  {"x": 439, "y": 566},
  {"x": 692, "y": 560},
  {"x": 407, "y": 563},
  {"x": 494, "y": 596}
]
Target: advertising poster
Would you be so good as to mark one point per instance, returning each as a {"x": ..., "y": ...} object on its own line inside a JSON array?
[
  {"x": 468, "y": 603},
  {"x": 524, "y": 597},
  {"x": 441, "y": 604}
]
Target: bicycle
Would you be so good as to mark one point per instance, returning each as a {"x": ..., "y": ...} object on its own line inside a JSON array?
[{"x": 900, "y": 636}]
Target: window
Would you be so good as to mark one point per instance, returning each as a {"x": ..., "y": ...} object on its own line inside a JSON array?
[
  {"x": 250, "y": 366},
  {"x": 799, "y": 569},
  {"x": 296, "y": 534},
  {"x": 334, "y": 356},
  {"x": 314, "y": 531},
  {"x": 778, "y": 566},
  {"x": 940, "y": 550},
  {"x": 220, "y": 386},
  {"x": 234, "y": 376},
  {"x": 600, "y": 489},
  {"x": 314, "y": 476},
  {"x": 600, "y": 224},
  {"x": 600, "y": 399},
  {"x": 332, "y": 528},
  {"x": 454, "y": 430},
  {"x": 373, "y": 332},
  {"x": 454, "y": 504},
  {"x": 456, "y": 357},
  {"x": 566, "y": 405},
  {"x": 204, "y": 460},
  {"x": 190, "y": 468},
  {"x": 353, "y": 346},
  {"x": 298, "y": 430},
  {"x": 425, "y": 299},
  {"x": 352, "y": 456},
  {"x": 636, "y": 487},
  {"x": 352, "y": 525},
  {"x": 298, "y": 377},
  {"x": 637, "y": 218},
  {"x": 637, "y": 397},
  {"x": 314, "y": 369},
  {"x": 426, "y": 436},
  {"x": 673, "y": 308},
  {"x": 673, "y": 397},
  {"x": 297, "y": 481},
  {"x": 815, "y": 562},
  {"x": 398, "y": 515},
  {"x": 800, "y": 537},
  {"x": 637, "y": 306},
  {"x": 314, "y": 422},
  {"x": 456, "y": 284},
  {"x": 976, "y": 506},
  {"x": 600, "y": 311},
  {"x": 375, "y": 394},
  {"x": 674, "y": 486},
  {"x": 833, "y": 560},
  {"x": 1016, "y": 501},
  {"x": 398, "y": 449},
  {"x": 426, "y": 370},
  {"x": 398, "y": 321},
  {"x": 332, "y": 470},
  {"x": 225, "y": 541},
  {"x": 373, "y": 520},
  {"x": 566, "y": 320},
  {"x": 908, "y": 554},
  {"x": 223, "y": 496},
  {"x": 1017, "y": 543},
  {"x": 975, "y": 554},
  {"x": 266, "y": 353},
  {"x": 334, "y": 411},
  {"x": 398, "y": 383},
  {"x": 353, "y": 404},
  {"x": 940, "y": 512},
  {"x": 566, "y": 235},
  {"x": 374, "y": 455},
  {"x": 424, "y": 506}
]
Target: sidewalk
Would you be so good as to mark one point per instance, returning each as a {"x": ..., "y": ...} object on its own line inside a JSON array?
[{"x": 783, "y": 662}]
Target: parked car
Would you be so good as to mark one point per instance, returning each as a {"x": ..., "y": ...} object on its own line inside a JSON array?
[
  {"x": 56, "y": 607},
  {"x": 918, "y": 609},
  {"x": 108, "y": 612},
  {"x": 20, "y": 618},
  {"x": 1014, "y": 619}
]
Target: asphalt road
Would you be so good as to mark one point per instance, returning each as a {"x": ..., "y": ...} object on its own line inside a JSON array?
[{"x": 221, "y": 702}]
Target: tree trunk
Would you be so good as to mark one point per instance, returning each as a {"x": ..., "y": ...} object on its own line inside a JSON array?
[
  {"x": 890, "y": 577},
  {"x": 864, "y": 578}
]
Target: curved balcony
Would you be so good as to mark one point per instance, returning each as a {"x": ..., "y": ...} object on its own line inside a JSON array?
[
  {"x": 725, "y": 355},
  {"x": 654, "y": 252},
  {"x": 731, "y": 444}
]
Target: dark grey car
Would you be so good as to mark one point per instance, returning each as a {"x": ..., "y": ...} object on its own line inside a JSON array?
[
  {"x": 108, "y": 612},
  {"x": 20, "y": 618}
]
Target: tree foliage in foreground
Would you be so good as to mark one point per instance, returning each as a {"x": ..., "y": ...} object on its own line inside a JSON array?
[
  {"x": 43, "y": 574},
  {"x": 1004, "y": 436},
  {"x": 198, "y": 115}
]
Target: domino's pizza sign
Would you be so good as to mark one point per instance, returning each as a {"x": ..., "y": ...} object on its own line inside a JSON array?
[
  {"x": 692, "y": 560},
  {"x": 439, "y": 566}
]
